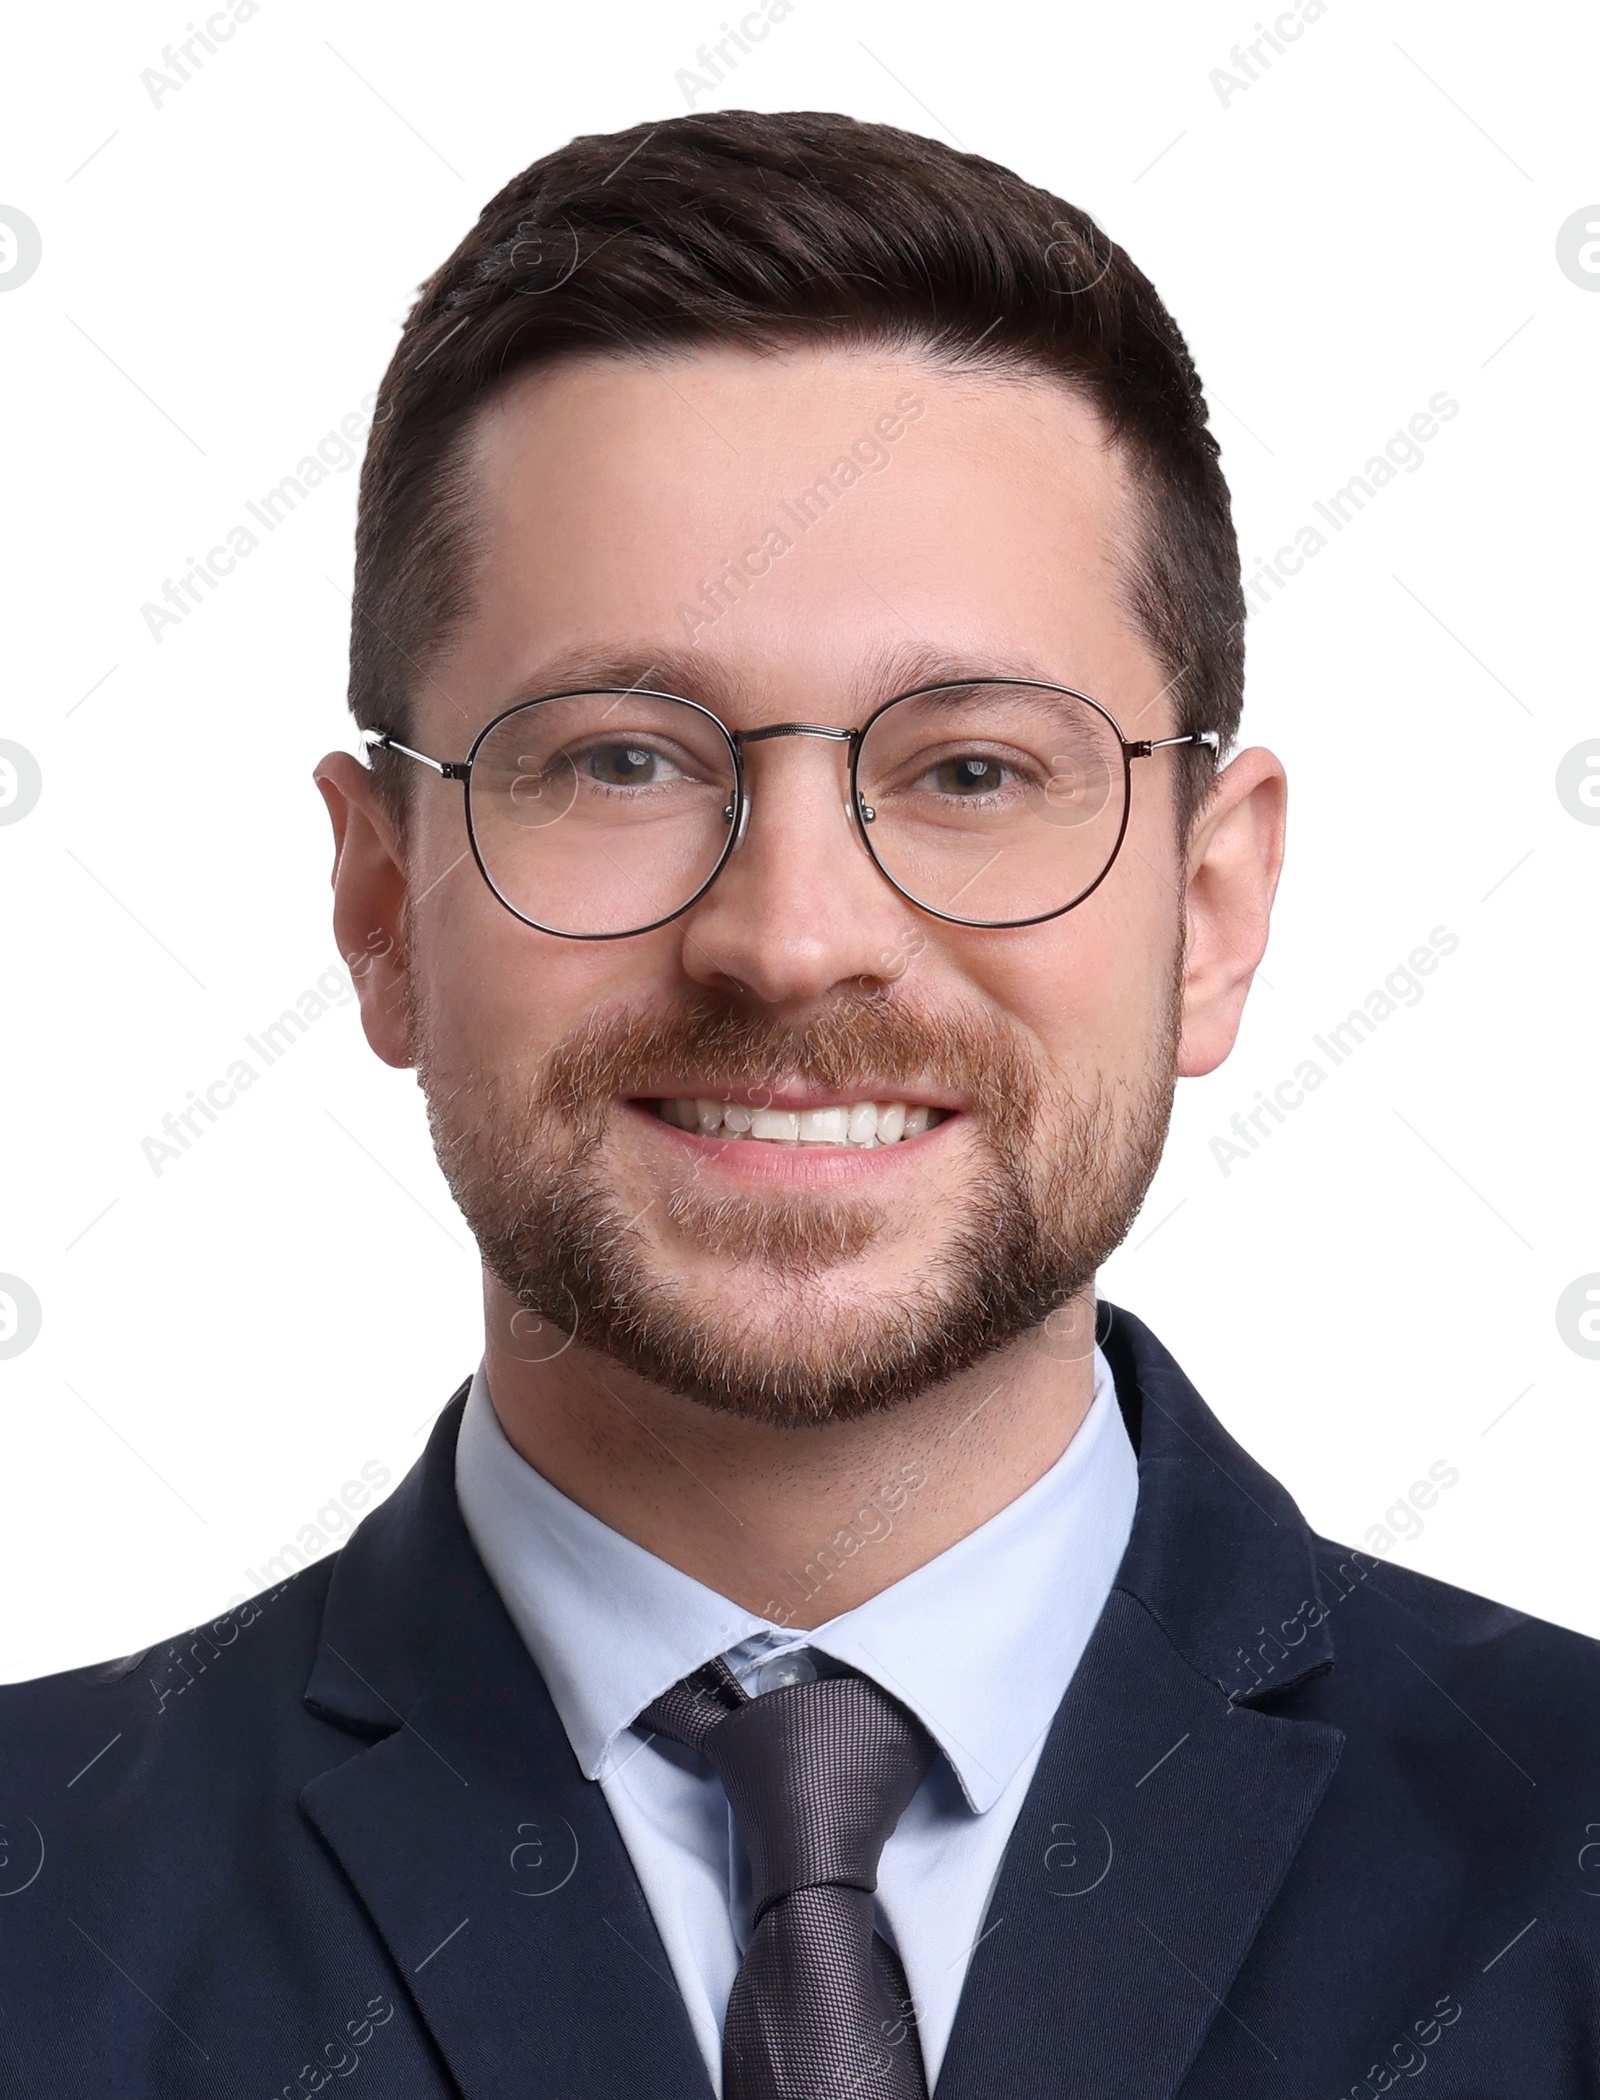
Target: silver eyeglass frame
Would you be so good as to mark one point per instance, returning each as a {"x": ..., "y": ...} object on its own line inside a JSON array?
[{"x": 737, "y": 813}]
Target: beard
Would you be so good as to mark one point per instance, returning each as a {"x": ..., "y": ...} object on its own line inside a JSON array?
[{"x": 1057, "y": 1178}]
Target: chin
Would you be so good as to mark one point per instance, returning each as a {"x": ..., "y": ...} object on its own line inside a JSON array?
[{"x": 794, "y": 1350}]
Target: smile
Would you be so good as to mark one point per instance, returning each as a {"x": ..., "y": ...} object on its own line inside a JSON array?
[{"x": 861, "y": 1126}]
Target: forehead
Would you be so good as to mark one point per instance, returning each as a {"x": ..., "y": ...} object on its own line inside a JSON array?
[{"x": 825, "y": 525}]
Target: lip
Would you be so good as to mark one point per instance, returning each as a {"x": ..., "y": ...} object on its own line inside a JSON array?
[{"x": 794, "y": 1166}]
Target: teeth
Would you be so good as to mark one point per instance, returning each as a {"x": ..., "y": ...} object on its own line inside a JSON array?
[
  {"x": 775, "y": 1123},
  {"x": 861, "y": 1124},
  {"x": 824, "y": 1126}
]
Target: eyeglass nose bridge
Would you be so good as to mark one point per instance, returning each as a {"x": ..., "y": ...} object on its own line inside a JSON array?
[{"x": 741, "y": 737}]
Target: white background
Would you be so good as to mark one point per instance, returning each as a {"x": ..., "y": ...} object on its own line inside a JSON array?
[{"x": 1371, "y": 222}]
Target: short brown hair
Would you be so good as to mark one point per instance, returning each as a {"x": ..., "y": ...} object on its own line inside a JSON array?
[{"x": 767, "y": 231}]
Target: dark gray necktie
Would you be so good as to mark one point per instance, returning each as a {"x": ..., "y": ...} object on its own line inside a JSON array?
[{"x": 818, "y": 1775}]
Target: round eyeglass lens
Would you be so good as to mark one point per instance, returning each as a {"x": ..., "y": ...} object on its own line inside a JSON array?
[
  {"x": 598, "y": 814},
  {"x": 993, "y": 804}
]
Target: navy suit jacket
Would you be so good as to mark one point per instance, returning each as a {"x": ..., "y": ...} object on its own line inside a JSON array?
[{"x": 1305, "y": 1825}]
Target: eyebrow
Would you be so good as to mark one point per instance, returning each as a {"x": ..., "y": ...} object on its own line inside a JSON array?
[{"x": 883, "y": 675}]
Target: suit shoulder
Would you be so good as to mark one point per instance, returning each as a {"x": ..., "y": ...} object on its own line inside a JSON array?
[
  {"x": 236, "y": 1668},
  {"x": 1388, "y": 1603}
]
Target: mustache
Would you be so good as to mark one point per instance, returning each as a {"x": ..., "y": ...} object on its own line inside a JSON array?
[{"x": 884, "y": 1042}]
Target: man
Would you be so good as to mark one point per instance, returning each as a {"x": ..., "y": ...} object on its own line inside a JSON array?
[{"x": 821, "y": 1652}]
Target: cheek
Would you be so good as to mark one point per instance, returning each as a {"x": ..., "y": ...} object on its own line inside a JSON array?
[
  {"x": 1091, "y": 988},
  {"x": 500, "y": 995}
]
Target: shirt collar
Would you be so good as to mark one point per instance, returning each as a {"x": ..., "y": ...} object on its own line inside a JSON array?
[{"x": 980, "y": 1643}]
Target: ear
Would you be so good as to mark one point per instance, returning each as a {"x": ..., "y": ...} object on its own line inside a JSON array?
[
  {"x": 1234, "y": 858},
  {"x": 369, "y": 896}
]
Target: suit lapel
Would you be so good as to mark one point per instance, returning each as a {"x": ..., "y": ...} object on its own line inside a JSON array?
[
  {"x": 1159, "y": 1826},
  {"x": 1167, "y": 1807},
  {"x": 490, "y": 1866}
]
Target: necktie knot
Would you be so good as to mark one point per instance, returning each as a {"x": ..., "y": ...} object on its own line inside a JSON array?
[{"x": 818, "y": 1775}]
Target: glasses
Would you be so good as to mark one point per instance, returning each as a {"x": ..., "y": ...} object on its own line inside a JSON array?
[{"x": 994, "y": 803}]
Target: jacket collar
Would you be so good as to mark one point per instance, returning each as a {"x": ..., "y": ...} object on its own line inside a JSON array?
[{"x": 1219, "y": 1556}]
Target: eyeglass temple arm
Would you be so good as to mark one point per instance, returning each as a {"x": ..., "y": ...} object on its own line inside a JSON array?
[
  {"x": 1210, "y": 738},
  {"x": 446, "y": 768},
  {"x": 458, "y": 769}
]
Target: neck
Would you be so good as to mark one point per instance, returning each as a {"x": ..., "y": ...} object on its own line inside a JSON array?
[{"x": 796, "y": 1525}]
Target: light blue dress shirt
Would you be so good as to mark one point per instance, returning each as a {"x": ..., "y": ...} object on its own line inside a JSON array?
[{"x": 980, "y": 1643}]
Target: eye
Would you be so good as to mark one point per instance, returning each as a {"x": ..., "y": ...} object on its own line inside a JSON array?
[
  {"x": 627, "y": 765},
  {"x": 968, "y": 776}
]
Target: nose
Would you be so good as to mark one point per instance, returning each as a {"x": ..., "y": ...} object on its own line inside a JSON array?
[{"x": 799, "y": 912}]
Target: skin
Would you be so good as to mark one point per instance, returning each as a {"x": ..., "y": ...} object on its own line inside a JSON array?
[{"x": 609, "y": 490}]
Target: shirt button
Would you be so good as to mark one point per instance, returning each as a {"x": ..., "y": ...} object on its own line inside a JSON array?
[{"x": 798, "y": 1667}]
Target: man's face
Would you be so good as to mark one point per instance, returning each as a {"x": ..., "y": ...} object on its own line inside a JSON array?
[{"x": 775, "y": 1276}]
